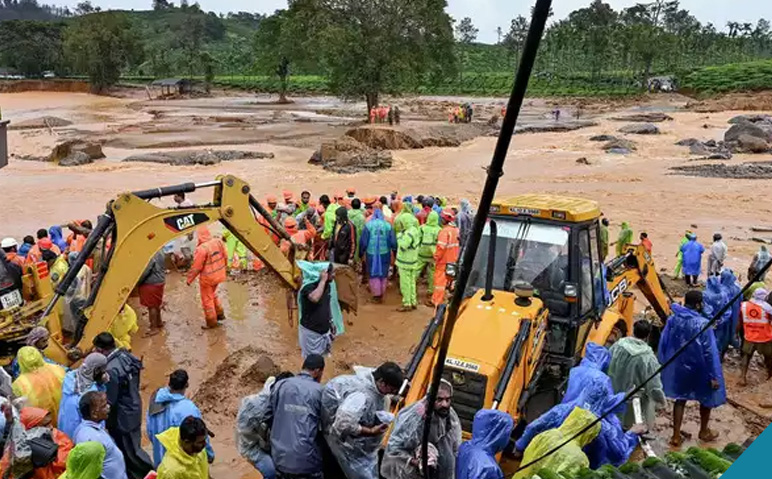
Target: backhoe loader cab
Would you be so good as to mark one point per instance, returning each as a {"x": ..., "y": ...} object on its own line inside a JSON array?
[{"x": 537, "y": 292}]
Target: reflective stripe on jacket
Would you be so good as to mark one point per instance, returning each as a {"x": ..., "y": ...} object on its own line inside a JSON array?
[{"x": 756, "y": 323}]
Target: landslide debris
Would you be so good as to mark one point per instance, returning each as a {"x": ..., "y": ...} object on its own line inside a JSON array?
[
  {"x": 197, "y": 157},
  {"x": 347, "y": 155},
  {"x": 556, "y": 127},
  {"x": 400, "y": 138},
  {"x": 40, "y": 122},
  {"x": 652, "y": 117},
  {"x": 640, "y": 129},
  {"x": 746, "y": 171},
  {"x": 70, "y": 153},
  {"x": 620, "y": 146}
]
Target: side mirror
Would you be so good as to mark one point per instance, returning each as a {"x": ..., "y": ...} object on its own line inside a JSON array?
[
  {"x": 451, "y": 269},
  {"x": 571, "y": 292}
]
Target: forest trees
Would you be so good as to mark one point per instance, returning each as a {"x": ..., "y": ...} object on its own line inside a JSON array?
[
  {"x": 101, "y": 45},
  {"x": 30, "y": 46},
  {"x": 465, "y": 31}
]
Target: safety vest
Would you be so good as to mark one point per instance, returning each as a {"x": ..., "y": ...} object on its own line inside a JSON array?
[
  {"x": 214, "y": 267},
  {"x": 447, "y": 245},
  {"x": 756, "y": 323}
]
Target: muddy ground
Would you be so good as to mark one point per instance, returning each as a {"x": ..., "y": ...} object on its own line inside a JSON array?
[{"x": 638, "y": 187}]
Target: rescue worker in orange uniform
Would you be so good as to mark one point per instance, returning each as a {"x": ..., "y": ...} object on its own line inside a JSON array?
[
  {"x": 209, "y": 265},
  {"x": 446, "y": 252},
  {"x": 302, "y": 238},
  {"x": 271, "y": 202},
  {"x": 756, "y": 327},
  {"x": 10, "y": 248},
  {"x": 35, "y": 254}
]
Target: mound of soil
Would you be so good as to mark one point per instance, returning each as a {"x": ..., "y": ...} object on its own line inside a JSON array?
[
  {"x": 194, "y": 157},
  {"x": 241, "y": 374},
  {"x": 676, "y": 287},
  {"x": 18, "y": 86},
  {"x": 640, "y": 129},
  {"x": 747, "y": 171},
  {"x": 41, "y": 122},
  {"x": 603, "y": 138},
  {"x": 347, "y": 155},
  {"x": 385, "y": 138},
  {"x": 653, "y": 117},
  {"x": 70, "y": 153}
]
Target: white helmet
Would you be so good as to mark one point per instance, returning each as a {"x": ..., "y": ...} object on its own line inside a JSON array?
[{"x": 8, "y": 243}]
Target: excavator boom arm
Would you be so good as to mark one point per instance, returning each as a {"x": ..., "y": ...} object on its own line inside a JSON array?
[{"x": 141, "y": 229}]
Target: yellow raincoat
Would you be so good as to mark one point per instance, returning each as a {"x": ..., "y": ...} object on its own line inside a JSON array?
[
  {"x": 569, "y": 459},
  {"x": 39, "y": 381},
  {"x": 177, "y": 464},
  {"x": 123, "y": 327},
  {"x": 85, "y": 461}
]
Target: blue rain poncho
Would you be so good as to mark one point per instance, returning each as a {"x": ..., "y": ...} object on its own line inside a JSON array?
[
  {"x": 377, "y": 243},
  {"x": 490, "y": 434},
  {"x": 612, "y": 446},
  {"x": 167, "y": 410},
  {"x": 731, "y": 288},
  {"x": 349, "y": 402},
  {"x": 690, "y": 375},
  {"x": 76, "y": 384},
  {"x": 57, "y": 237},
  {"x": 592, "y": 368},
  {"x": 714, "y": 298},
  {"x": 692, "y": 257},
  {"x": 311, "y": 274}
]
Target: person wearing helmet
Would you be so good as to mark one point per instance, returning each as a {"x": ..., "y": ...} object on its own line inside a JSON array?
[
  {"x": 10, "y": 248},
  {"x": 446, "y": 252}
]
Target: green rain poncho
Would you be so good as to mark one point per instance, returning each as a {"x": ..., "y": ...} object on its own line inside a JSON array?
[
  {"x": 405, "y": 219},
  {"x": 569, "y": 459},
  {"x": 235, "y": 247},
  {"x": 632, "y": 362},
  {"x": 85, "y": 461},
  {"x": 625, "y": 238},
  {"x": 429, "y": 232},
  {"x": 329, "y": 221},
  {"x": 357, "y": 218}
]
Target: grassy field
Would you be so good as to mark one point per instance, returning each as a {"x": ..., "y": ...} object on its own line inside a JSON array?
[{"x": 748, "y": 76}]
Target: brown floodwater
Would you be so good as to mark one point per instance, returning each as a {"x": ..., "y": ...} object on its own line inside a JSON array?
[{"x": 636, "y": 188}]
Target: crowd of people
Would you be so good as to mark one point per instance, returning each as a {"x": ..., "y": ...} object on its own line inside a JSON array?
[
  {"x": 461, "y": 114},
  {"x": 86, "y": 423}
]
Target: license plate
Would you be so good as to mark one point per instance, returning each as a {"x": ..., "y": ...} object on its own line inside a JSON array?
[{"x": 11, "y": 300}]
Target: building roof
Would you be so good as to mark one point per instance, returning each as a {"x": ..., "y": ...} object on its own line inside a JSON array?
[{"x": 170, "y": 81}]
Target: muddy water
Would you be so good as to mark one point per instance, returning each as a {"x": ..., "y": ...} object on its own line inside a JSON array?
[{"x": 636, "y": 188}]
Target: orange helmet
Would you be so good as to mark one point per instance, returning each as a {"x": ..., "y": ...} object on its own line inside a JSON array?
[
  {"x": 447, "y": 215},
  {"x": 290, "y": 225},
  {"x": 351, "y": 191},
  {"x": 271, "y": 199},
  {"x": 287, "y": 195},
  {"x": 370, "y": 200},
  {"x": 338, "y": 195}
]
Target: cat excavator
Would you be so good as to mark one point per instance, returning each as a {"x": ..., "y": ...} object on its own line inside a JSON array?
[
  {"x": 538, "y": 292},
  {"x": 132, "y": 230}
]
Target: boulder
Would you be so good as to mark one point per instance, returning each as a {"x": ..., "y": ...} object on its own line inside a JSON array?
[
  {"x": 41, "y": 122},
  {"x": 67, "y": 148},
  {"x": 746, "y": 128},
  {"x": 750, "y": 118},
  {"x": 751, "y": 144},
  {"x": 640, "y": 129},
  {"x": 720, "y": 155},
  {"x": 699, "y": 149},
  {"x": 653, "y": 117},
  {"x": 603, "y": 138},
  {"x": 583, "y": 161},
  {"x": 76, "y": 158},
  {"x": 688, "y": 142},
  {"x": 620, "y": 146},
  {"x": 346, "y": 155}
]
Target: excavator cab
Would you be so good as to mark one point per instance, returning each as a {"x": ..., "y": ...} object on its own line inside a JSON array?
[{"x": 538, "y": 291}]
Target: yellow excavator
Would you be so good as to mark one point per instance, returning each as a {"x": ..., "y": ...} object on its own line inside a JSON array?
[
  {"x": 538, "y": 291},
  {"x": 135, "y": 230}
]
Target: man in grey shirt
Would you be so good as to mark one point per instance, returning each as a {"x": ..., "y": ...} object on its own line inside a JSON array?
[
  {"x": 151, "y": 291},
  {"x": 295, "y": 409}
]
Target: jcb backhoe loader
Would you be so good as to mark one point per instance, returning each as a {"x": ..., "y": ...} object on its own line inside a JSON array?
[
  {"x": 136, "y": 229},
  {"x": 537, "y": 293}
]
